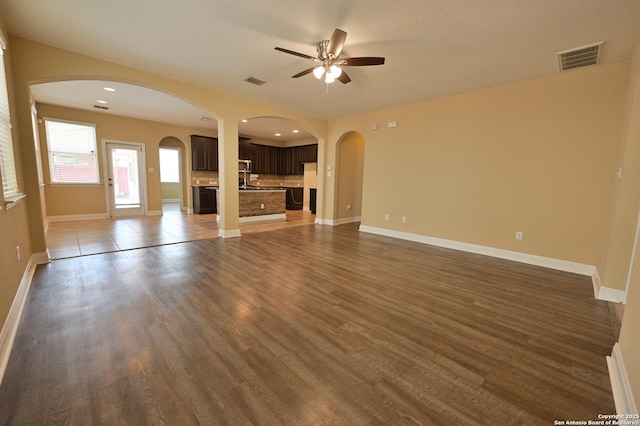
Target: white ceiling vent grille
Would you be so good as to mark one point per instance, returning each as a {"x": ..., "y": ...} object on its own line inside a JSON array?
[
  {"x": 580, "y": 57},
  {"x": 255, "y": 81}
]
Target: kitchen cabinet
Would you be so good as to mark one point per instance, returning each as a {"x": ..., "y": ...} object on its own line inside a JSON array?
[
  {"x": 273, "y": 160},
  {"x": 204, "y": 153},
  {"x": 295, "y": 198},
  {"x": 244, "y": 149},
  {"x": 308, "y": 153},
  {"x": 313, "y": 193},
  {"x": 204, "y": 200}
]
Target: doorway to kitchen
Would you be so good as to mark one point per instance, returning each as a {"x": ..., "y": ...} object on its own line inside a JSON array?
[{"x": 125, "y": 177}]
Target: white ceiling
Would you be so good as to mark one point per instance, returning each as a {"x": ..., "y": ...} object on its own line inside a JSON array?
[{"x": 433, "y": 48}]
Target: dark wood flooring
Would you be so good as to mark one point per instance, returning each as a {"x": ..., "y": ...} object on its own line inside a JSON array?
[{"x": 306, "y": 326}]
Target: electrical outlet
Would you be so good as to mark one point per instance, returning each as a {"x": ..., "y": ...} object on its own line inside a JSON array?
[
  {"x": 386, "y": 217},
  {"x": 519, "y": 235},
  {"x": 262, "y": 206},
  {"x": 404, "y": 219}
]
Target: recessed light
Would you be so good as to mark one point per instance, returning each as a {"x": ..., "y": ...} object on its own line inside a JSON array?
[
  {"x": 278, "y": 134},
  {"x": 245, "y": 120},
  {"x": 101, "y": 102},
  {"x": 296, "y": 131},
  {"x": 109, "y": 89}
]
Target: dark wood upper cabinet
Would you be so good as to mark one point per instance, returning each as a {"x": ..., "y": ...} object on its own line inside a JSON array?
[
  {"x": 272, "y": 160},
  {"x": 244, "y": 149},
  {"x": 204, "y": 153}
]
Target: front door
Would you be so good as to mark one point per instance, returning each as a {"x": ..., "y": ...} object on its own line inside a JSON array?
[{"x": 125, "y": 179}]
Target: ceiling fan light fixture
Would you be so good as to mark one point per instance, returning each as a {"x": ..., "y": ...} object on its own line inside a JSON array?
[
  {"x": 318, "y": 71},
  {"x": 336, "y": 71},
  {"x": 329, "y": 78}
]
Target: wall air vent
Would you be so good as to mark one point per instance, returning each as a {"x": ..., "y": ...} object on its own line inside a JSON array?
[
  {"x": 101, "y": 107},
  {"x": 255, "y": 81},
  {"x": 580, "y": 57}
]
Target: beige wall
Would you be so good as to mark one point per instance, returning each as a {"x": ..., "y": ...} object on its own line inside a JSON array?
[
  {"x": 14, "y": 225},
  {"x": 349, "y": 176},
  {"x": 623, "y": 217},
  {"x": 620, "y": 241},
  {"x": 91, "y": 199},
  {"x": 170, "y": 191},
  {"x": 537, "y": 157}
]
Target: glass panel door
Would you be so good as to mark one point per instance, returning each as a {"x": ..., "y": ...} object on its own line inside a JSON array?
[{"x": 124, "y": 179}]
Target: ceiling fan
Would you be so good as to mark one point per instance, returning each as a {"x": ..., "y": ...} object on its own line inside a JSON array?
[{"x": 329, "y": 59}]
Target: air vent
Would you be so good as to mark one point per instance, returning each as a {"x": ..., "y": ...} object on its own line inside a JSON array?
[
  {"x": 100, "y": 107},
  {"x": 580, "y": 57},
  {"x": 255, "y": 81}
]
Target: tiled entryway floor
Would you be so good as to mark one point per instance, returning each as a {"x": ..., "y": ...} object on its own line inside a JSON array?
[{"x": 84, "y": 237}]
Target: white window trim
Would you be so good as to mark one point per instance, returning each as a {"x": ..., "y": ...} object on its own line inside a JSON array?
[
  {"x": 90, "y": 184},
  {"x": 13, "y": 197}
]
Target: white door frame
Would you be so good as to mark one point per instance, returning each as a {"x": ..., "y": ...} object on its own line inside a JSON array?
[{"x": 143, "y": 174}]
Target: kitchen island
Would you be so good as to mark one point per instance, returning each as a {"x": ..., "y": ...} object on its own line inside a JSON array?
[{"x": 262, "y": 204}]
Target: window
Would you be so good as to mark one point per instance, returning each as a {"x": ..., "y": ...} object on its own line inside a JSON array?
[
  {"x": 72, "y": 152},
  {"x": 169, "y": 165},
  {"x": 7, "y": 160}
]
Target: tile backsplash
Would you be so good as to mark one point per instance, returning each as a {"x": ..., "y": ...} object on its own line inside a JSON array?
[{"x": 211, "y": 178}]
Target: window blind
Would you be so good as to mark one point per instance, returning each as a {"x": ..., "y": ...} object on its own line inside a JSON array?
[
  {"x": 72, "y": 152},
  {"x": 7, "y": 160}
]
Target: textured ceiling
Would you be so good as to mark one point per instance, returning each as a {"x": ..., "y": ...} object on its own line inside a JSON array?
[{"x": 432, "y": 48}]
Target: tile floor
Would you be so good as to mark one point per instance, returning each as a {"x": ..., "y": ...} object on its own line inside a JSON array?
[{"x": 84, "y": 237}]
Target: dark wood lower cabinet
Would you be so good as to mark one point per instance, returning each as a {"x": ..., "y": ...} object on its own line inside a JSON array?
[
  {"x": 204, "y": 200},
  {"x": 312, "y": 200},
  {"x": 295, "y": 198}
]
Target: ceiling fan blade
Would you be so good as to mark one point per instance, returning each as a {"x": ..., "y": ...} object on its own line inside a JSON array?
[
  {"x": 291, "y": 52},
  {"x": 305, "y": 72},
  {"x": 344, "y": 78},
  {"x": 336, "y": 42},
  {"x": 361, "y": 62}
]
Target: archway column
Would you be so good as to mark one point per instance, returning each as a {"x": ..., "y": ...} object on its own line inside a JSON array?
[{"x": 228, "y": 198}]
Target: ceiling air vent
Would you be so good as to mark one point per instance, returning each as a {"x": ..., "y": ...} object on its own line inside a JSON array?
[
  {"x": 100, "y": 107},
  {"x": 255, "y": 81},
  {"x": 580, "y": 57}
]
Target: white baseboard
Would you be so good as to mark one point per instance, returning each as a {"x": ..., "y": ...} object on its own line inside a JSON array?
[
  {"x": 229, "y": 233},
  {"x": 622, "y": 393},
  {"x": 606, "y": 293},
  {"x": 170, "y": 200},
  {"x": 69, "y": 217},
  {"x": 41, "y": 258},
  {"x": 344, "y": 220},
  {"x": 10, "y": 328},
  {"x": 531, "y": 259},
  {"x": 334, "y": 222},
  {"x": 154, "y": 212},
  {"x": 247, "y": 219}
]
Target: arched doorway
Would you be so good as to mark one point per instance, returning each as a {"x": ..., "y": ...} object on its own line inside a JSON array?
[
  {"x": 349, "y": 178},
  {"x": 172, "y": 152}
]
